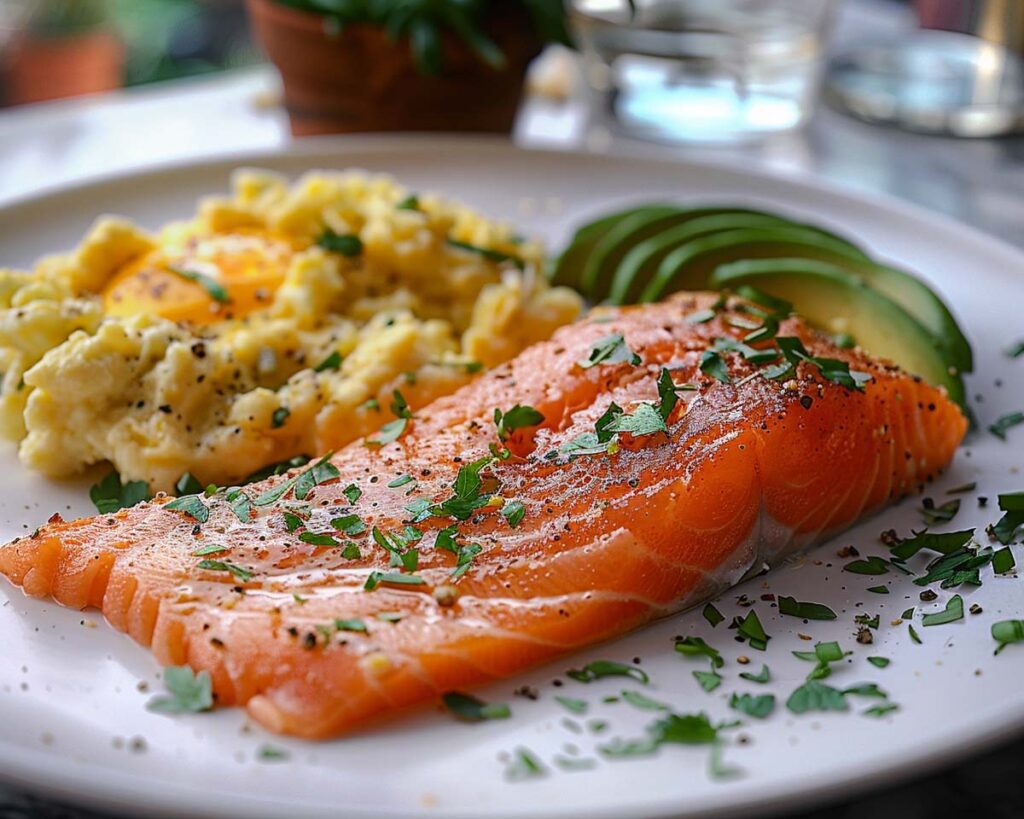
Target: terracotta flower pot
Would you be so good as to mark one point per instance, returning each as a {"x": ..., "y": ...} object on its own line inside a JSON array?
[
  {"x": 50, "y": 68},
  {"x": 359, "y": 79}
]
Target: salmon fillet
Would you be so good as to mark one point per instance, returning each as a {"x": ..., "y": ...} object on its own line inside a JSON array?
[{"x": 282, "y": 617}]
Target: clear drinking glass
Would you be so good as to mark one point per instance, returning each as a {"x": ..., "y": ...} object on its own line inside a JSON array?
[{"x": 704, "y": 70}]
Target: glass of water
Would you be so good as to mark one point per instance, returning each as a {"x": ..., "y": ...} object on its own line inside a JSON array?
[{"x": 704, "y": 70}]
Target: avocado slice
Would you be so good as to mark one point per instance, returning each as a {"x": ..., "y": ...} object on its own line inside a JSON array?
[
  {"x": 568, "y": 267},
  {"x": 902, "y": 287},
  {"x": 689, "y": 265},
  {"x": 837, "y": 301},
  {"x": 914, "y": 296},
  {"x": 642, "y": 259}
]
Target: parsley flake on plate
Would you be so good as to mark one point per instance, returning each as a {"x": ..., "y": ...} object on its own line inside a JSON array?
[
  {"x": 758, "y": 706},
  {"x": 954, "y": 611},
  {"x": 807, "y": 611},
  {"x": 696, "y": 646},
  {"x": 642, "y": 701},
  {"x": 712, "y": 615},
  {"x": 468, "y": 708},
  {"x": 188, "y": 692},
  {"x": 763, "y": 676},
  {"x": 1006, "y": 632},
  {"x": 599, "y": 669}
]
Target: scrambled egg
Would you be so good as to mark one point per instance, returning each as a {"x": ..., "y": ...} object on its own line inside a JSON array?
[{"x": 277, "y": 322}]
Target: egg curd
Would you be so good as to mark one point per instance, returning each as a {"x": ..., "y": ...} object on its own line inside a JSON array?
[{"x": 278, "y": 322}]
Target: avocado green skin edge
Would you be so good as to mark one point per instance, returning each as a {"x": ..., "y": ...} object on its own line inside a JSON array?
[
  {"x": 642, "y": 260},
  {"x": 679, "y": 270},
  {"x": 819, "y": 274},
  {"x": 567, "y": 268}
]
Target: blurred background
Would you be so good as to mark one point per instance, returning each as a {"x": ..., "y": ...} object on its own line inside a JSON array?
[{"x": 60, "y": 48}]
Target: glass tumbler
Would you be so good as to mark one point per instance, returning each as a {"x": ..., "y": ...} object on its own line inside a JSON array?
[{"x": 703, "y": 70}]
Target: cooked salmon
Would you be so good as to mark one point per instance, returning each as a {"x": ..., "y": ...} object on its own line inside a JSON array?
[{"x": 641, "y": 461}]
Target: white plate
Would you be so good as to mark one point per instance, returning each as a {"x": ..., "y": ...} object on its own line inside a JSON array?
[{"x": 68, "y": 697}]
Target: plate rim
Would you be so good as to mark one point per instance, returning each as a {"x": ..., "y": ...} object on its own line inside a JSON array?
[{"x": 28, "y": 768}]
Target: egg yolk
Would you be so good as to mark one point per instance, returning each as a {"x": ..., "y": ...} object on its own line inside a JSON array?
[{"x": 209, "y": 279}]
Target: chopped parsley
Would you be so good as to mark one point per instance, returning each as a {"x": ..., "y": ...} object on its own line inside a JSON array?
[
  {"x": 1006, "y": 632},
  {"x": 351, "y": 624},
  {"x": 1003, "y": 561},
  {"x": 318, "y": 539},
  {"x": 823, "y": 656},
  {"x": 1006, "y": 422},
  {"x": 881, "y": 710},
  {"x": 712, "y": 615},
  {"x": 956, "y": 568},
  {"x": 468, "y": 708},
  {"x": 240, "y": 573},
  {"x": 831, "y": 369},
  {"x": 351, "y": 525},
  {"x": 332, "y": 362},
  {"x": 191, "y": 505},
  {"x": 708, "y": 680},
  {"x": 808, "y": 611},
  {"x": 212, "y": 549},
  {"x": 189, "y": 693},
  {"x": 110, "y": 494},
  {"x": 491, "y": 255},
  {"x": 611, "y": 349},
  {"x": 374, "y": 579},
  {"x": 401, "y": 480},
  {"x": 954, "y": 611},
  {"x": 607, "y": 668},
  {"x": 696, "y": 647},
  {"x": 757, "y": 706},
  {"x": 240, "y": 504},
  {"x": 524, "y": 765},
  {"x": 389, "y": 433},
  {"x": 187, "y": 484},
  {"x": 816, "y": 696},
  {"x": 943, "y": 513},
  {"x": 763, "y": 676},
  {"x": 945, "y": 543},
  {"x": 872, "y": 565},
  {"x": 347, "y": 244},
  {"x": 879, "y": 662},
  {"x": 642, "y": 701},
  {"x": 571, "y": 704},
  {"x": 1012, "y": 504},
  {"x": 271, "y": 753},
  {"x": 279, "y": 416},
  {"x": 214, "y": 289},
  {"x": 513, "y": 512},
  {"x": 750, "y": 629},
  {"x": 519, "y": 417},
  {"x": 411, "y": 202},
  {"x": 713, "y": 364},
  {"x": 352, "y": 493},
  {"x": 321, "y": 472}
]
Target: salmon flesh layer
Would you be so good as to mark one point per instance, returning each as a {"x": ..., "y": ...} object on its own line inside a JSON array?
[{"x": 390, "y": 573}]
